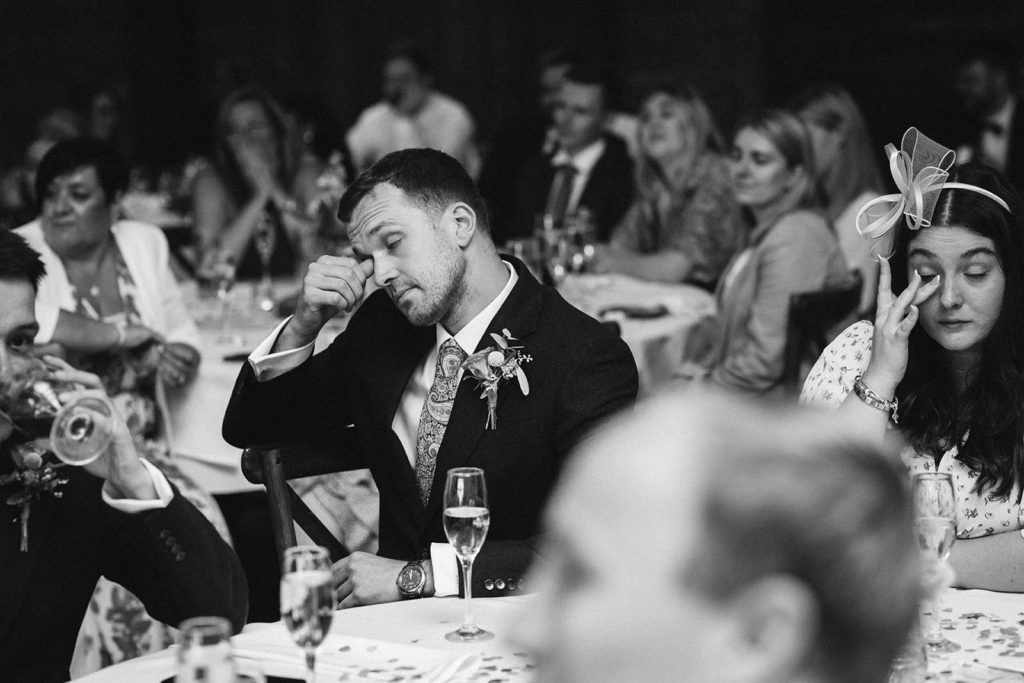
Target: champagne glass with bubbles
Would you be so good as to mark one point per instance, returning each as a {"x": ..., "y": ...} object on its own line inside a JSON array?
[
  {"x": 466, "y": 520},
  {"x": 307, "y": 604},
  {"x": 266, "y": 242},
  {"x": 935, "y": 528}
]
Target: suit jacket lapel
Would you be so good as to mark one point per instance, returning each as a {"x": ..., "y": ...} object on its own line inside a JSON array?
[
  {"x": 16, "y": 567},
  {"x": 519, "y": 316}
]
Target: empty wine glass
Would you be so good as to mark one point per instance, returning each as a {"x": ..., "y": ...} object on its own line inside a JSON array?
[
  {"x": 935, "y": 528},
  {"x": 265, "y": 238},
  {"x": 466, "y": 520},
  {"x": 224, "y": 273},
  {"x": 307, "y": 604}
]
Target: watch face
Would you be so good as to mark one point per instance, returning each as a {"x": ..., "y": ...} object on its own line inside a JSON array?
[{"x": 411, "y": 578}]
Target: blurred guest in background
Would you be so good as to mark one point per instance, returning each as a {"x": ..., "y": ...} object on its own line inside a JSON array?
[
  {"x": 985, "y": 86},
  {"x": 790, "y": 249},
  {"x": 685, "y": 224},
  {"x": 258, "y": 180},
  {"x": 412, "y": 114},
  {"x": 111, "y": 303},
  {"x": 522, "y": 136},
  {"x": 105, "y": 117},
  {"x": 117, "y": 517},
  {"x": 944, "y": 356},
  {"x": 589, "y": 169},
  {"x": 747, "y": 519},
  {"x": 848, "y": 174}
]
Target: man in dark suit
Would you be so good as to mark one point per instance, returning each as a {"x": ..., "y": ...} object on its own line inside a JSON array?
[
  {"x": 995, "y": 136},
  {"x": 418, "y": 226},
  {"x": 589, "y": 168},
  {"x": 117, "y": 517}
]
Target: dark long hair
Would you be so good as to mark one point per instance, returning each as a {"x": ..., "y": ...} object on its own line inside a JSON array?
[{"x": 933, "y": 414}]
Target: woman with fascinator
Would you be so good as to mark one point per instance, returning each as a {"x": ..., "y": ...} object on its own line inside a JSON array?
[{"x": 943, "y": 362}]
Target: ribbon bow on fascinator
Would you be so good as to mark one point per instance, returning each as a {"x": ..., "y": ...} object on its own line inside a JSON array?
[{"x": 920, "y": 169}]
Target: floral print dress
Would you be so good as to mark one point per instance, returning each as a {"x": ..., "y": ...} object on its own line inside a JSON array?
[
  {"x": 116, "y": 626},
  {"x": 832, "y": 378}
]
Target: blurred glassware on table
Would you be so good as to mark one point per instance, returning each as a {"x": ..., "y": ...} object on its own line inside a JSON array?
[
  {"x": 935, "y": 527},
  {"x": 581, "y": 233},
  {"x": 265, "y": 239},
  {"x": 911, "y": 663},
  {"x": 527, "y": 250},
  {"x": 204, "y": 651},
  {"x": 307, "y": 600}
]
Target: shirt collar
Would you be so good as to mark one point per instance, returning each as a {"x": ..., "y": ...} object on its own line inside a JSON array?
[
  {"x": 584, "y": 160},
  {"x": 469, "y": 336},
  {"x": 1004, "y": 116}
]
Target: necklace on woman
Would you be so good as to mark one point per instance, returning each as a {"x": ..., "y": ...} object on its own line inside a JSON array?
[{"x": 92, "y": 289}]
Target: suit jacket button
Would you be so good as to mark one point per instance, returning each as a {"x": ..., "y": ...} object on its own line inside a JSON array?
[
  {"x": 164, "y": 533},
  {"x": 179, "y": 556},
  {"x": 488, "y": 585},
  {"x": 500, "y": 584},
  {"x": 511, "y": 584},
  {"x": 176, "y": 549}
]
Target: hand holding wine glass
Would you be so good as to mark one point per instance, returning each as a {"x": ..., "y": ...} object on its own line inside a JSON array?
[
  {"x": 935, "y": 528},
  {"x": 466, "y": 520},
  {"x": 307, "y": 604}
]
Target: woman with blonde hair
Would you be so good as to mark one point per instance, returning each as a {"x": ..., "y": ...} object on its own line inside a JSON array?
[
  {"x": 685, "y": 224},
  {"x": 790, "y": 249},
  {"x": 847, "y": 171}
]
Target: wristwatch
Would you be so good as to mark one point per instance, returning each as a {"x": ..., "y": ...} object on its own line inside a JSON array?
[{"x": 411, "y": 580}]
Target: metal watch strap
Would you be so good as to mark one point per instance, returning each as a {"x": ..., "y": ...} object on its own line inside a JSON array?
[{"x": 873, "y": 399}]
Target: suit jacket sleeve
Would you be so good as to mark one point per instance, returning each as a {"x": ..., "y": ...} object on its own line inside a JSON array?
[
  {"x": 602, "y": 382},
  {"x": 176, "y": 563}
]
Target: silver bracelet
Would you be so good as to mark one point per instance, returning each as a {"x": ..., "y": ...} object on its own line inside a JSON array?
[{"x": 873, "y": 399}]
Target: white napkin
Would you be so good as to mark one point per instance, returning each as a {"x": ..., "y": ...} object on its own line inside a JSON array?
[{"x": 358, "y": 658}]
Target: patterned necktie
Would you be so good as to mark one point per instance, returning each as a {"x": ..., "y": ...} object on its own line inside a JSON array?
[
  {"x": 561, "y": 190},
  {"x": 436, "y": 411}
]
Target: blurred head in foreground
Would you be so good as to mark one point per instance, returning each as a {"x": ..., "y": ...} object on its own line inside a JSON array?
[{"x": 702, "y": 539}]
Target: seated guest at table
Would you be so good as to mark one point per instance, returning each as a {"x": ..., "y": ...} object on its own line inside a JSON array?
[
  {"x": 257, "y": 175},
  {"x": 848, "y": 173},
  {"x": 412, "y": 114},
  {"x": 749, "y": 546},
  {"x": 790, "y": 249},
  {"x": 589, "y": 167},
  {"x": 117, "y": 517},
  {"x": 685, "y": 224},
  {"x": 110, "y": 302},
  {"x": 944, "y": 353},
  {"x": 419, "y": 228}
]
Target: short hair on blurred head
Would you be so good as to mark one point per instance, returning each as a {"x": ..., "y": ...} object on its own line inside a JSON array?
[
  {"x": 430, "y": 178},
  {"x": 69, "y": 155},
  {"x": 18, "y": 261},
  {"x": 411, "y": 53},
  {"x": 594, "y": 74}
]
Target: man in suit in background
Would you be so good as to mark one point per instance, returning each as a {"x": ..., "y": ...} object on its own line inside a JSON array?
[
  {"x": 117, "y": 517},
  {"x": 419, "y": 229},
  {"x": 985, "y": 86},
  {"x": 589, "y": 167}
]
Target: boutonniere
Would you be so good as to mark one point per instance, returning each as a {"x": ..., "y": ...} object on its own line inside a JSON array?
[
  {"x": 495, "y": 364},
  {"x": 34, "y": 474}
]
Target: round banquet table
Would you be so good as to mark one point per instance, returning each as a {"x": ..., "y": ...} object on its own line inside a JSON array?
[
  {"x": 394, "y": 642},
  {"x": 657, "y": 342}
]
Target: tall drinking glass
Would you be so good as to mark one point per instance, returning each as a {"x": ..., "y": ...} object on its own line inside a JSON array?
[
  {"x": 935, "y": 527},
  {"x": 306, "y": 601},
  {"x": 266, "y": 241},
  {"x": 204, "y": 651},
  {"x": 466, "y": 520}
]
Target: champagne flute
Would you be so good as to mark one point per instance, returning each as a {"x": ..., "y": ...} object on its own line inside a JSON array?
[
  {"x": 266, "y": 241},
  {"x": 935, "y": 527},
  {"x": 307, "y": 604},
  {"x": 466, "y": 520},
  {"x": 224, "y": 273}
]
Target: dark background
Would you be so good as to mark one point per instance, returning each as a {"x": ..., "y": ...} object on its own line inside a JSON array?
[{"x": 176, "y": 58}]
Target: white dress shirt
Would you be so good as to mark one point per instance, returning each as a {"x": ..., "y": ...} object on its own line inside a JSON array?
[
  {"x": 995, "y": 146},
  {"x": 583, "y": 161},
  {"x": 164, "y": 494},
  {"x": 406, "y": 421}
]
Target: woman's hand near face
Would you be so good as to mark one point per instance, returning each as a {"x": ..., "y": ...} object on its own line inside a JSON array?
[
  {"x": 140, "y": 335},
  {"x": 256, "y": 169},
  {"x": 894, "y": 320}
]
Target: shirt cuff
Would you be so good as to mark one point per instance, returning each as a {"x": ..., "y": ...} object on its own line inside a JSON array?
[
  {"x": 164, "y": 494},
  {"x": 446, "y": 570},
  {"x": 267, "y": 365}
]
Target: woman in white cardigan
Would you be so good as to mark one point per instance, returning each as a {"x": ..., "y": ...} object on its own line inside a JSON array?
[{"x": 110, "y": 302}]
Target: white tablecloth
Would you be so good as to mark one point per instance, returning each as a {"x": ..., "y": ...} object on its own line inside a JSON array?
[
  {"x": 657, "y": 343},
  {"x": 404, "y": 626},
  {"x": 986, "y": 627}
]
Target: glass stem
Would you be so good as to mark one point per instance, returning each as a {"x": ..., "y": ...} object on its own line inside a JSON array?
[
  {"x": 468, "y": 624},
  {"x": 310, "y": 665}
]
